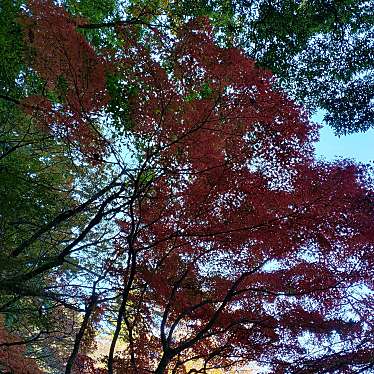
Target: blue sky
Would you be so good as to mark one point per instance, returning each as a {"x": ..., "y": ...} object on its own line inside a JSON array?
[{"x": 359, "y": 147}]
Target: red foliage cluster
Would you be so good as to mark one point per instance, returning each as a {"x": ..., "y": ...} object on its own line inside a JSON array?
[
  {"x": 86, "y": 365},
  {"x": 72, "y": 71},
  {"x": 12, "y": 355},
  {"x": 243, "y": 242},
  {"x": 215, "y": 97}
]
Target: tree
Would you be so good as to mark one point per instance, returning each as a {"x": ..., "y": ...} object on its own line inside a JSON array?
[
  {"x": 237, "y": 248},
  {"x": 231, "y": 243},
  {"x": 320, "y": 51},
  {"x": 41, "y": 178}
]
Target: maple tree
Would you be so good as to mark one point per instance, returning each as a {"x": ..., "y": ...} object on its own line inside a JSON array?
[
  {"x": 198, "y": 242},
  {"x": 12, "y": 359},
  {"x": 214, "y": 236},
  {"x": 321, "y": 51}
]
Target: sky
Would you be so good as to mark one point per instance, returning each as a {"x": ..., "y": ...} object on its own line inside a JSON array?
[{"x": 359, "y": 146}]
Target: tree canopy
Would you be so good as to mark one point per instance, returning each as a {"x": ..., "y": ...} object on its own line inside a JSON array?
[
  {"x": 160, "y": 189},
  {"x": 321, "y": 51}
]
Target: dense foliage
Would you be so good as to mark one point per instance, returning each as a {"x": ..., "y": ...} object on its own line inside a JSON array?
[
  {"x": 321, "y": 51},
  {"x": 159, "y": 191}
]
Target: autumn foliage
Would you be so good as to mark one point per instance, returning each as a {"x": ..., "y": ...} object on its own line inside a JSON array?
[
  {"x": 243, "y": 243},
  {"x": 234, "y": 244},
  {"x": 12, "y": 358},
  {"x": 73, "y": 75}
]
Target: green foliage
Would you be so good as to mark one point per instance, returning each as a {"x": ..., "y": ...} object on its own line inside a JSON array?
[
  {"x": 204, "y": 93},
  {"x": 92, "y": 10},
  {"x": 321, "y": 52},
  {"x": 119, "y": 106},
  {"x": 10, "y": 45},
  {"x": 36, "y": 184},
  {"x": 95, "y": 12},
  {"x": 147, "y": 177}
]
